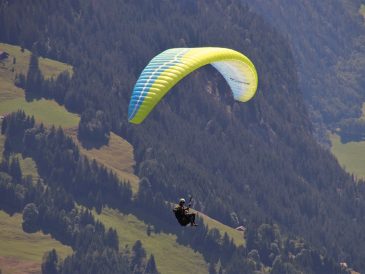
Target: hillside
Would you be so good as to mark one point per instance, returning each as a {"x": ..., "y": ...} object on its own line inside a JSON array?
[
  {"x": 117, "y": 156},
  {"x": 255, "y": 164},
  {"x": 22, "y": 252},
  {"x": 64, "y": 147},
  {"x": 327, "y": 40},
  {"x": 170, "y": 256}
]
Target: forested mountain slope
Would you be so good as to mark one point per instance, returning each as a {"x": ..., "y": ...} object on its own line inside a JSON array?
[
  {"x": 327, "y": 39},
  {"x": 22, "y": 251},
  {"x": 244, "y": 163},
  {"x": 66, "y": 177}
]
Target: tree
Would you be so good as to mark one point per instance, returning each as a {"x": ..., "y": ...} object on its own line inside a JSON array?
[
  {"x": 281, "y": 267},
  {"x": 33, "y": 86},
  {"x": 112, "y": 239},
  {"x": 94, "y": 127},
  {"x": 50, "y": 261},
  {"x": 138, "y": 257},
  {"x": 3, "y": 126},
  {"x": 15, "y": 170},
  {"x": 151, "y": 266},
  {"x": 30, "y": 218},
  {"x": 212, "y": 269}
]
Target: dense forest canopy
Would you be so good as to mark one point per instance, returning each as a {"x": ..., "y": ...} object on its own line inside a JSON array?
[
  {"x": 245, "y": 163},
  {"x": 327, "y": 39}
]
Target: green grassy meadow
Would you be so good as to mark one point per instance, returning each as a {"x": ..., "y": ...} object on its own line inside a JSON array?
[
  {"x": 50, "y": 68},
  {"x": 12, "y": 98},
  {"x": 169, "y": 255},
  {"x": 351, "y": 155},
  {"x": 47, "y": 112}
]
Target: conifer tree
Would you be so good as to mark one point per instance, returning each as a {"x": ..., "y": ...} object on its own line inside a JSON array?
[
  {"x": 15, "y": 170},
  {"x": 33, "y": 86},
  {"x": 151, "y": 266},
  {"x": 50, "y": 261}
]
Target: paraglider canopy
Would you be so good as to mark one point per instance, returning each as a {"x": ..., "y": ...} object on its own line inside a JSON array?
[{"x": 170, "y": 66}]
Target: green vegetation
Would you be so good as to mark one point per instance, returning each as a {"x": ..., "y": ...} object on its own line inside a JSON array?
[
  {"x": 236, "y": 235},
  {"x": 28, "y": 167},
  {"x": 50, "y": 68},
  {"x": 21, "y": 251},
  {"x": 12, "y": 97},
  {"x": 23, "y": 246},
  {"x": 266, "y": 151},
  {"x": 170, "y": 256},
  {"x": 350, "y": 155},
  {"x": 45, "y": 111},
  {"x": 117, "y": 156},
  {"x": 8, "y": 70},
  {"x": 2, "y": 141}
]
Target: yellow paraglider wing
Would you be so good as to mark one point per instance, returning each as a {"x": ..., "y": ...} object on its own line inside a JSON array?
[{"x": 170, "y": 66}]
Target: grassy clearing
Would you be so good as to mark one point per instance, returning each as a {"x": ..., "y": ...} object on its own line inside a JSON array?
[
  {"x": 116, "y": 156},
  {"x": 350, "y": 155},
  {"x": 170, "y": 256},
  {"x": 46, "y": 111},
  {"x": 17, "y": 244},
  {"x": 12, "y": 97},
  {"x": 49, "y": 68}
]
